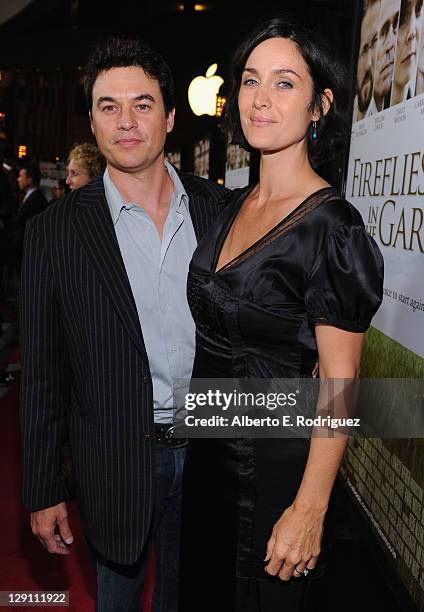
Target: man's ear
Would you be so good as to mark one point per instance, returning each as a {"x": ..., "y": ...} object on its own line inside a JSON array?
[
  {"x": 327, "y": 99},
  {"x": 170, "y": 121},
  {"x": 90, "y": 116}
]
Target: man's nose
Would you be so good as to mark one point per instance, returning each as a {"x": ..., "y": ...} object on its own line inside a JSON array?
[
  {"x": 412, "y": 26},
  {"x": 127, "y": 119}
]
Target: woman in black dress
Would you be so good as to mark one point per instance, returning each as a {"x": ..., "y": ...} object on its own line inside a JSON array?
[{"x": 286, "y": 278}]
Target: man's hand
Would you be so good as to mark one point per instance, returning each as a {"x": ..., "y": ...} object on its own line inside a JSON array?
[{"x": 44, "y": 524}]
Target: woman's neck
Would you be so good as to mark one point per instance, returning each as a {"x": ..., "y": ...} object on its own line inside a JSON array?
[{"x": 286, "y": 174}]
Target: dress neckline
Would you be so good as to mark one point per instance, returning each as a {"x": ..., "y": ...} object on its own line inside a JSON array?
[{"x": 306, "y": 205}]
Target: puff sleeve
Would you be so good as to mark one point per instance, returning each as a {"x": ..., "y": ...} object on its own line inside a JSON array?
[{"x": 345, "y": 285}]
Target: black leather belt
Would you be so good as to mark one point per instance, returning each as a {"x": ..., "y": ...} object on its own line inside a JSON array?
[{"x": 165, "y": 434}]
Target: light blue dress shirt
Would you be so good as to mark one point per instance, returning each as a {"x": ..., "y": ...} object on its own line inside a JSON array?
[{"x": 157, "y": 270}]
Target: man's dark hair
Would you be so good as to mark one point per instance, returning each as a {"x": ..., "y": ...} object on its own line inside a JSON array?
[
  {"x": 325, "y": 70},
  {"x": 124, "y": 52},
  {"x": 405, "y": 7},
  {"x": 33, "y": 171}
]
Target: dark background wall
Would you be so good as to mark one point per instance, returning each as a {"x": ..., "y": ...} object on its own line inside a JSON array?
[{"x": 44, "y": 47}]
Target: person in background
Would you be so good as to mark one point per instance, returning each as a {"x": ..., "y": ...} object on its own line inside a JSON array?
[
  {"x": 58, "y": 190},
  {"x": 33, "y": 202},
  {"x": 406, "y": 50},
  {"x": 385, "y": 55},
  {"x": 363, "y": 104},
  {"x": 84, "y": 164}
]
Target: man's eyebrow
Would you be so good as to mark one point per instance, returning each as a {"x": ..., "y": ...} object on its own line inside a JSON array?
[
  {"x": 276, "y": 71},
  {"x": 144, "y": 96}
]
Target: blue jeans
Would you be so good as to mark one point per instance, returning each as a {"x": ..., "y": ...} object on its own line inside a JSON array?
[{"x": 119, "y": 586}]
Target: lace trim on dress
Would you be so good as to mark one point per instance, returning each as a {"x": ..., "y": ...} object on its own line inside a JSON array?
[{"x": 306, "y": 207}]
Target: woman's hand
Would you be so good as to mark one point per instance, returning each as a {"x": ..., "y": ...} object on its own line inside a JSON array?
[{"x": 295, "y": 542}]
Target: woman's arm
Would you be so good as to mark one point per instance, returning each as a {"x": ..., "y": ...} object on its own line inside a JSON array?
[{"x": 296, "y": 537}]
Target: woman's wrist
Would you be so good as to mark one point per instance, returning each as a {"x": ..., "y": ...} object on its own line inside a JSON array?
[{"x": 311, "y": 504}]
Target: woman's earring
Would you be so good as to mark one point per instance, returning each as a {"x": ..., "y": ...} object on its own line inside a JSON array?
[{"x": 314, "y": 130}]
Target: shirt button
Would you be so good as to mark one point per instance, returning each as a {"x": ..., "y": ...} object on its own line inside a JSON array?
[{"x": 145, "y": 379}]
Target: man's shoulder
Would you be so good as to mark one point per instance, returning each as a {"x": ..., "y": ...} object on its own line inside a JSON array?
[
  {"x": 58, "y": 214},
  {"x": 201, "y": 187},
  {"x": 35, "y": 199},
  {"x": 37, "y": 194}
]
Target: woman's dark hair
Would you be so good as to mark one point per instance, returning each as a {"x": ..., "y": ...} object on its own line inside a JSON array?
[
  {"x": 124, "y": 52},
  {"x": 325, "y": 70}
]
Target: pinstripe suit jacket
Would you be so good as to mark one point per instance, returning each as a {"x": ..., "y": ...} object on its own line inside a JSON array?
[{"x": 85, "y": 370}]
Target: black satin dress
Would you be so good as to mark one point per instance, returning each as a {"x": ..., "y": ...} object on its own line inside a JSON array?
[{"x": 255, "y": 317}]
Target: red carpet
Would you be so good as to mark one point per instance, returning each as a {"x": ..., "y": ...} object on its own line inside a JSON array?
[{"x": 24, "y": 564}]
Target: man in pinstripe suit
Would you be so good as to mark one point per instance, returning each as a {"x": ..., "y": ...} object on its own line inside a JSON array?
[{"x": 106, "y": 330}]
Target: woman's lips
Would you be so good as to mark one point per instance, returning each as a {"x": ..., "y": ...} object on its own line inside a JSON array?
[{"x": 260, "y": 121}]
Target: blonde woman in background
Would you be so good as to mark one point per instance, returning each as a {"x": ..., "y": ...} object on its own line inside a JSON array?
[{"x": 84, "y": 164}]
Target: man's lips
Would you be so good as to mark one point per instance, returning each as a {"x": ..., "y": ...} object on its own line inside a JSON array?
[
  {"x": 388, "y": 66},
  {"x": 408, "y": 58},
  {"x": 128, "y": 141}
]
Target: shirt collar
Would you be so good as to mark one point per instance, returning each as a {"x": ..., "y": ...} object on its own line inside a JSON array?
[
  {"x": 116, "y": 202},
  {"x": 113, "y": 197},
  {"x": 180, "y": 195},
  {"x": 29, "y": 192}
]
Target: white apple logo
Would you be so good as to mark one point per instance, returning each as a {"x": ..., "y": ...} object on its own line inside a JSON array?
[{"x": 202, "y": 92}]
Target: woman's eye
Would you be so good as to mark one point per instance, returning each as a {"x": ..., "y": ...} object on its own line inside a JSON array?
[
  {"x": 249, "y": 82},
  {"x": 285, "y": 85}
]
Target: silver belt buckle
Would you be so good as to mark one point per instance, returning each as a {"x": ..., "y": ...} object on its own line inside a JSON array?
[{"x": 178, "y": 442}]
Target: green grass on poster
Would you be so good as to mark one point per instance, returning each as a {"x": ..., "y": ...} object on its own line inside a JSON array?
[{"x": 385, "y": 358}]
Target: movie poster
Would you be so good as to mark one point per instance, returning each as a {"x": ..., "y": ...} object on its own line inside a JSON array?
[
  {"x": 237, "y": 167},
  {"x": 386, "y": 163},
  {"x": 174, "y": 158},
  {"x": 201, "y": 157},
  {"x": 385, "y": 182}
]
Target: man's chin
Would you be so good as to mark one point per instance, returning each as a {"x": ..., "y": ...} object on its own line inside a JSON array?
[
  {"x": 363, "y": 106},
  {"x": 129, "y": 166}
]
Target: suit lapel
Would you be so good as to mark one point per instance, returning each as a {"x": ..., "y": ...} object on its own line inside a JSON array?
[
  {"x": 94, "y": 227},
  {"x": 203, "y": 208},
  {"x": 195, "y": 205}
]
